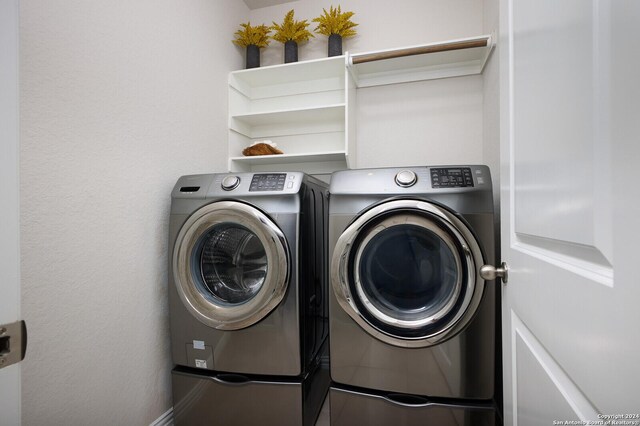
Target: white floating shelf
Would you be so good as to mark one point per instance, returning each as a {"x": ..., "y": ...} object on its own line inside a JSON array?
[
  {"x": 326, "y": 156},
  {"x": 452, "y": 58},
  {"x": 326, "y": 118},
  {"x": 317, "y": 114},
  {"x": 308, "y": 108},
  {"x": 305, "y": 71}
]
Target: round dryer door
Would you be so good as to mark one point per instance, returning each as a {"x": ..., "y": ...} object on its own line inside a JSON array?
[
  {"x": 406, "y": 272},
  {"x": 230, "y": 265}
]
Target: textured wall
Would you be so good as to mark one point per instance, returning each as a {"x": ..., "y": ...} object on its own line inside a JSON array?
[
  {"x": 382, "y": 24},
  {"x": 118, "y": 98},
  {"x": 422, "y": 123}
]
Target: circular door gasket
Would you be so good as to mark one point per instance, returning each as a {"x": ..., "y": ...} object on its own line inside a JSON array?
[
  {"x": 452, "y": 317},
  {"x": 188, "y": 279}
]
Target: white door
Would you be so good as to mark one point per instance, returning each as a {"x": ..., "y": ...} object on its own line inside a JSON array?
[
  {"x": 570, "y": 210},
  {"x": 9, "y": 216}
]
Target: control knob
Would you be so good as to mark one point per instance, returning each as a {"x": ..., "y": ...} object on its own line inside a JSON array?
[
  {"x": 230, "y": 182},
  {"x": 406, "y": 178}
]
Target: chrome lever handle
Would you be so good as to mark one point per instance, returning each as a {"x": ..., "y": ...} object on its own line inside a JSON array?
[{"x": 490, "y": 272}]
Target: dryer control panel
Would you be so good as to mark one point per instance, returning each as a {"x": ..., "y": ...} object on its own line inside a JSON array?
[
  {"x": 443, "y": 179},
  {"x": 458, "y": 177}
]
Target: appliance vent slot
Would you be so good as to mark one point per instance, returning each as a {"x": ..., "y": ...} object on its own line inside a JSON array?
[{"x": 189, "y": 189}]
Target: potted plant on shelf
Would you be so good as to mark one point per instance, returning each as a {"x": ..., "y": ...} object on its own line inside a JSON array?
[
  {"x": 253, "y": 39},
  {"x": 336, "y": 25},
  {"x": 290, "y": 33}
]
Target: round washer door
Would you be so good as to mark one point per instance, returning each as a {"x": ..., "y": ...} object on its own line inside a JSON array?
[
  {"x": 230, "y": 265},
  {"x": 407, "y": 272}
]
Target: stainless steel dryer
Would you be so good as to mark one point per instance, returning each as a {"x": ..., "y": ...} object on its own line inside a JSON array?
[
  {"x": 412, "y": 321},
  {"x": 248, "y": 298}
]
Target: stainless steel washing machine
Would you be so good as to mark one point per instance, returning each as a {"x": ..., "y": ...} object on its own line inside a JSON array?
[
  {"x": 412, "y": 321},
  {"x": 248, "y": 297}
]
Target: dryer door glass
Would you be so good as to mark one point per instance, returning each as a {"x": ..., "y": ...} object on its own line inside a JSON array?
[
  {"x": 405, "y": 271},
  {"x": 233, "y": 263},
  {"x": 409, "y": 273}
]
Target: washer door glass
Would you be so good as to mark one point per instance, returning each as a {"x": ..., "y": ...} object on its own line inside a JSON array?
[
  {"x": 405, "y": 271},
  {"x": 233, "y": 264},
  {"x": 230, "y": 265}
]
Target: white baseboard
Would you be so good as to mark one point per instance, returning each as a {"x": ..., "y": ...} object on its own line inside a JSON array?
[{"x": 166, "y": 419}]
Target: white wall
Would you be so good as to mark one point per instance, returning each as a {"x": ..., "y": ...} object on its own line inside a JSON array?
[
  {"x": 9, "y": 213},
  {"x": 491, "y": 103},
  {"x": 118, "y": 99},
  {"x": 382, "y": 25},
  {"x": 491, "y": 125},
  {"x": 423, "y": 123}
]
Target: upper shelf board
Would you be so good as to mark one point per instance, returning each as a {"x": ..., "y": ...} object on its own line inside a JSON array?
[
  {"x": 329, "y": 156},
  {"x": 452, "y": 58},
  {"x": 316, "y": 69}
]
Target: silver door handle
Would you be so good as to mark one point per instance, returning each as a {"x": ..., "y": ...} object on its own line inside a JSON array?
[
  {"x": 13, "y": 343},
  {"x": 490, "y": 272}
]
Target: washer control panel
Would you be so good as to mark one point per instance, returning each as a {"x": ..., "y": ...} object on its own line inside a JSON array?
[
  {"x": 268, "y": 182},
  {"x": 455, "y": 177}
]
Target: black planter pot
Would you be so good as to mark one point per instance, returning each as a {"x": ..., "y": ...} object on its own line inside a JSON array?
[
  {"x": 253, "y": 56},
  {"x": 290, "y": 51},
  {"x": 335, "y": 45}
]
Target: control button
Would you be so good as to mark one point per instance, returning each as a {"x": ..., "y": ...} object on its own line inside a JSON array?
[
  {"x": 230, "y": 182},
  {"x": 480, "y": 180},
  {"x": 406, "y": 178},
  {"x": 290, "y": 185},
  {"x": 455, "y": 177},
  {"x": 267, "y": 182}
]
